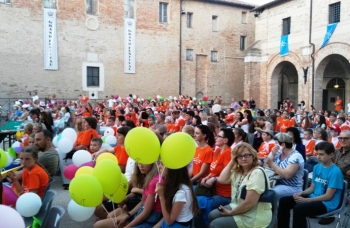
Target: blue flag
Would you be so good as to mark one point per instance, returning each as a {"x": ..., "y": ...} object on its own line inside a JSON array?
[
  {"x": 284, "y": 50},
  {"x": 327, "y": 37}
]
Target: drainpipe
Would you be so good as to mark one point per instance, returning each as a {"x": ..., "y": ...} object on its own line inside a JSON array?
[
  {"x": 180, "y": 46},
  {"x": 312, "y": 57}
]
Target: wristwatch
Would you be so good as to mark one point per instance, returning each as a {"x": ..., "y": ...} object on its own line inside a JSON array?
[{"x": 215, "y": 179}]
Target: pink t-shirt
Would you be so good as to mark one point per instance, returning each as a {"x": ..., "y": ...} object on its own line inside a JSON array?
[{"x": 151, "y": 189}]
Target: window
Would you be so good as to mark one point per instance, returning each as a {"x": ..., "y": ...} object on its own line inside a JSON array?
[
  {"x": 163, "y": 14},
  {"x": 286, "y": 26},
  {"x": 51, "y": 4},
  {"x": 214, "y": 56},
  {"x": 128, "y": 8},
  {"x": 93, "y": 76},
  {"x": 244, "y": 17},
  {"x": 334, "y": 13},
  {"x": 5, "y": 1},
  {"x": 189, "y": 20},
  {"x": 91, "y": 7},
  {"x": 242, "y": 43},
  {"x": 214, "y": 23},
  {"x": 189, "y": 54}
]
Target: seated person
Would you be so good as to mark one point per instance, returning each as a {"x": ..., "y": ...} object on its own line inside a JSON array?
[
  {"x": 297, "y": 143},
  {"x": 323, "y": 196},
  {"x": 287, "y": 163},
  {"x": 34, "y": 177},
  {"x": 267, "y": 144},
  {"x": 83, "y": 139},
  {"x": 309, "y": 142},
  {"x": 335, "y": 131}
]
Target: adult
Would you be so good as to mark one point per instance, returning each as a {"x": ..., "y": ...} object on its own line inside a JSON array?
[
  {"x": 252, "y": 103},
  {"x": 321, "y": 122},
  {"x": 342, "y": 124},
  {"x": 263, "y": 124},
  {"x": 249, "y": 212},
  {"x": 34, "y": 115},
  {"x": 83, "y": 141},
  {"x": 48, "y": 157},
  {"x": 234, "y": 104},
  {"x": 286, "y": 122},
  {"x": 338, "y": 104},
  {"x": 296, "y": 140},
  {"x": 305, "y": 122},
  {"x": 288, "y": 164},
  {"x": 188, "y": 117},
  {"x": 230, "y": 117},
  {"x": 240, "y": 137},
  {"x": 342, "y": 155},
  {"x": 160, "y": 126}
]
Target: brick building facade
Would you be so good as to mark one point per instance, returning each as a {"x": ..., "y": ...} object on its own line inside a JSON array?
[{"x": 90, "y": 35}]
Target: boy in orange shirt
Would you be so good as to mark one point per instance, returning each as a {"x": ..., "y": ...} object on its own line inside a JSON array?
[
  {"x": 95, "y": 145},
  {"x": 308, "y": 142},
  {"x": 267, "y": 144},
  {"x": 230, "y": 117},
  {"x": 335, "y": 131}
]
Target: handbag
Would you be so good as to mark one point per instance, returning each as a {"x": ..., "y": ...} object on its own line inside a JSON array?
[
  {"x": 266, "y": 197},
  {"x": 204, "y": 191}
]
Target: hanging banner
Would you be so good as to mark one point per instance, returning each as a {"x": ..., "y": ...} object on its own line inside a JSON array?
[
  {"x": 329, "y": 33},
  {"x": 284, "y": 49},
  {"x": 50, "y": 40},
  {"x": 129, "y": 46}
]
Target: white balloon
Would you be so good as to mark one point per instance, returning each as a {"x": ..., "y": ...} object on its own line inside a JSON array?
[
  {"x": 10, "y": 217},
  {"x": 105, "y": 146},
  {"x": 134, "y": 96},
  {"x": 138, "y": 99},
  {"x": 110, "y": 139},
  {"x": 55, "y": 141},
  {"x": 109, "y": 131},
  {"x": 65, "y": 145},
  {"x": 28, "y": 204},
  {"x": 80, "y": 157},
  {"x": 170, "y": 97},
  {"x": 175, "y": 98},
  {"x": 9, "y": 159},
  {"x": 79, "y": 213},
  {"x": 70, "y": 134},
  {"x": 158, "y": 96},
  {"x": 16, "y": 144}
]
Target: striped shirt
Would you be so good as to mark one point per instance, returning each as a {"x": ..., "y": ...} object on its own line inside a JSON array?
[{"x": 292, "y": 158}]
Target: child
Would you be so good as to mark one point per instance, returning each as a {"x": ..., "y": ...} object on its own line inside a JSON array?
[
  {"x": 34, "y": 177},
  {"x": 267, "y": 144},
  {"x": 178, "y": 202},
  {"x": 323, "y": 196},
  {"x": 31, "y": 139},
  {"x": 335, "y": 131},
  {"x": 148, "y": 212},
  {"x": 95, "y": 144}
]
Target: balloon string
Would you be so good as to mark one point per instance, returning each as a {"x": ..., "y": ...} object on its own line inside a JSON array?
[
  {"x": 114, "y": 222},
  {"x": 160, "y": 176}
]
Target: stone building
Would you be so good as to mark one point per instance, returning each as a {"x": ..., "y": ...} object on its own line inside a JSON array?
[
  {"x": 310, "y": 73},
  {"x": 193, "y": 47}
]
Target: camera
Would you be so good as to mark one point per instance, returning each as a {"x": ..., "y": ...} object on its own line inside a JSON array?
[{"x": 299, "y": 104}]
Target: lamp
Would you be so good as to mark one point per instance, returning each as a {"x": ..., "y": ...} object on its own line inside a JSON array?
[{"x": 336, "y": 86}]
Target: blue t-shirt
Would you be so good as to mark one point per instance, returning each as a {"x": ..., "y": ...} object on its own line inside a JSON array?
[{"x": 324, "y": 178}]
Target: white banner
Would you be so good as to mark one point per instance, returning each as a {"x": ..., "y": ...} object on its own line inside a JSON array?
[
  {"x": 50, "y": 40},
  {"x": 129, "y": 46}
]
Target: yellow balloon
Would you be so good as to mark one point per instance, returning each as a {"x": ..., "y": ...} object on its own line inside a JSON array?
[
  {"x": 120, "y": 194},
  {"x": 108, "y": 156},
  {"x": 142, "y": 145},
  {"x": 177, "y": 150},
  {"x": 3, "y": 159},
  {"x": 109, "y": 175},
  {"x": 84, "y": 170},
  {"x": 86, "y": 190}
]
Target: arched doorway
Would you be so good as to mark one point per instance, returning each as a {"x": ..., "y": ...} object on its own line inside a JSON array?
[
  {"x": 331, "y": 81},
  {"x": 284, "y": 84}
]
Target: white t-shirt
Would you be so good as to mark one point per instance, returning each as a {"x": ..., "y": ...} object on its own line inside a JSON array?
[
  {"x": 35, "y": 97},
  {"x": 348, "y": 107},
  {"x": 129, "y": 169},
  {"x": 110, "y": 103},
  {"x": 184, "y": 195}
]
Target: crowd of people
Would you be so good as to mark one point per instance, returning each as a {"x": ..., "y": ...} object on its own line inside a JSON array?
[{"x": 235, "y": 145}]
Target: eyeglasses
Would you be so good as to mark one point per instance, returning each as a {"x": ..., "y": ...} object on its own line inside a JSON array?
[
  {"x": 220, "y": 136},
  {"x": 246, "y": 156},
  {"x": 123, "y": 125},
  {"x": 343, "y": 138}
]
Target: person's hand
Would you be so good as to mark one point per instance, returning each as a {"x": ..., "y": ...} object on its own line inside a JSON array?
[
  {"x": 297, "y": 194},
  {"x": 348, "y": 173},
  {"x": 223, "y": 211},
  {"x": 160, "y": 189},
  {"x": 12, "y": 176},
  {"x": 203, "y": 181},
  {"x": 275, "y": 149},
  {"x": 209, "y": 182},
  {"x": 121, "y": 219},
  {"x": 300, "y": 199},
  {"x": 268, "y": 161}
]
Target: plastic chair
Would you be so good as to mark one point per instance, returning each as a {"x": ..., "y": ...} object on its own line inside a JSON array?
[
  {"x": 274, "y": 208},
  {"x": 54, "y": 217},
  {"x": 48, "y": 186},
  {"x": 340, "y": 210},
  {"x": 306, "y": 179},
  {"x": 44, "y": 209}
]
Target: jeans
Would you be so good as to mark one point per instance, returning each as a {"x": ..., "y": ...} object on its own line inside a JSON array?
[
  {"x": 285, "y": 190},
  {"x": 219, "y": 221},
  {"x": 300, "y": 212},
  {"x": 152, "y": 219}
]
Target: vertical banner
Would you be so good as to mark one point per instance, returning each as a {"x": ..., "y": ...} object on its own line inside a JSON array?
[
  {"x": 50, "y": 40},
  {"x": 284, "y": 49},
  {"x": 329, "y": 33},
  {"x": 129, "y": 46}
]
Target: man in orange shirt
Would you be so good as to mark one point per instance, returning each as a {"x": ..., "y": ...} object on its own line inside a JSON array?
[
  {"x": 335, "y": 131},
  {"x": 308, "y": 142},
  {"x": 341, "y": 122},
  {"x": 285, "y": 123},
  {"x": 230, "y": 117},
  {"x": 179, "y": 122},
  {"x": 338, "y": 104}
]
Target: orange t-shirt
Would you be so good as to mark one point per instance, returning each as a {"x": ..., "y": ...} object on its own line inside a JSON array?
[
  {"x": 121, "y": 154},
  {"x": 344, "y": 127},
  {"x": 219, "y": 162},
  {"x": 85, "y": 137},
  {"x": 170, "y": 127},
  {"x": 86, "y": 114},
  {"x": 178, "y": 124},
  {"x": 284, "y": 125},
  {"x": 230, "y": 118},
  {"x": 293, "y": 123},
  {"x": 277, "y": 127},
  {"x": 202, "y": 155},
  {"x": 338, "y": 105},
  {"x": 37, "y": 178},
  {"x": 309, "y": 146},
  {"x": 265, "y": 148},
  {"x": 279, "y": 119}
]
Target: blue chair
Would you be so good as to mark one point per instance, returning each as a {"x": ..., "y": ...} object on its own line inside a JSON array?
[
  {"x": 306, "y": 179},
  {"x": 340, "y": 210},
  {"x": 44, "y": 209},
  {"x": 54, "y": 217}
]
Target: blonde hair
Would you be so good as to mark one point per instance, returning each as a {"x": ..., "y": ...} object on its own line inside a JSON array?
[
  {"x": 239, "y": 150},
  {"x": 79, "y": 125},
  {"x": 189, "y": 130}
]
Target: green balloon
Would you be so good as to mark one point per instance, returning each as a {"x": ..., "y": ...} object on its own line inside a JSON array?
[
  {"x": 149, "y": 98},
  {"x": 104, "y": 138},
  {"x": 204, "y": 103},
  {"x": 3, "y": 159}
]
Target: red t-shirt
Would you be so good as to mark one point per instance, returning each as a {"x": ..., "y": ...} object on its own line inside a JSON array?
[
  {"x": 36, "y": 178},
  {"x": 220, "y": 161},
  {"x": 202, "y": 155},
  {"x": 121, "y": 154}
]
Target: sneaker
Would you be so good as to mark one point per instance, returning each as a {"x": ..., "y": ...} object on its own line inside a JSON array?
[{"x": 326, "y": 221}]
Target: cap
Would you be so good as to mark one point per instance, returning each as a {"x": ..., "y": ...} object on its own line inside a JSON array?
[
  {"x": 25, "y": 106},
  {"x": 336, "y": 128},
  {"x": 283, "y": 138},
  {"x": 270, "y": 132},
  {"x": 42, "y": 103}
]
